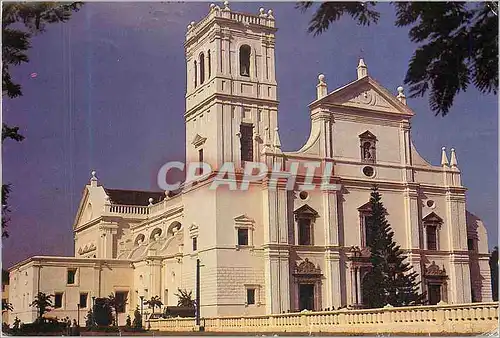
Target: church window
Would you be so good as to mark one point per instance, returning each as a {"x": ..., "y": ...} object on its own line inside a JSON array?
[
  {"x": 209, "y": 63},
  {"x": 195, "y": 74},
  {"x": 58, "y": 297},
  {"x": 242, "y": 237},
  {"x": 246, "y": 142},
  {"x": 305, "y": 231},
  {"x": 202, "y": 68},
  {"x": 304, "y": 217},
  {"x": 200, "y": 159},
  {"x": 368, "y": 171},
  {"x": 431, "y": 224},
  {"x": 470, "y": 244},
  {"x": 250, "y": 296},
  {"x": 121, "y": 300},
  {"x": 244, "y": 227},
  {"x": 83, "y": 300},
  {"x": 245, "y": 52},
  {"x": 431, "y": 232},
  {"x": 71, "y": 276},
  {"x": 195, "y": 243},
  {"x": 365, "y": 215},
  {"x": 367, "y": 145}
]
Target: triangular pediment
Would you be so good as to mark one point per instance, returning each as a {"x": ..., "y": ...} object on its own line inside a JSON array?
[
  {"x": 432, "y": 218},
  {"x": 243, "y": 219},
  {"x": 82, "y": 207},
  {"x": 365, "y": 94},
  {"x": 198, "y": 140},
  {"x": 306, "y": 211},
  {"x": 367, "y": 136}
]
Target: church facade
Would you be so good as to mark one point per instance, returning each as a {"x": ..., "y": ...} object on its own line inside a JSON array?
[{"x": 269, "y": 248}]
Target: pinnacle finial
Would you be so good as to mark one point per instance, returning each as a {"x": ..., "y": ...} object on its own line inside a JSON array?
[
  {"x": 93, "y": 175},
  {"x": 444, "y": 157},
  {"x": 277, "y": 141},
  {"x": 362, "y": 69},
  {"x": 150, "y": 200},
  {"x": 453, "y": 158},
  {"x": 270, "y": 14},
  {"x": 93, "y": 179},
  {"x": 266, "y": 140},
  {"x": 226, "y": 5}
]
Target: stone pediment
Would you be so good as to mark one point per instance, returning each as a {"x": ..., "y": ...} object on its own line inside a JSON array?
[
  {"x": 366, "y": 94},
  {"x": 243, "y": 220},
  {"x": 305, "y": 211},
  {"x": 198, "y": 140},
  {"x": 307, "y": 268},
  {"x": 432, "y": 218},
  {"x": 434, "y": 270}
]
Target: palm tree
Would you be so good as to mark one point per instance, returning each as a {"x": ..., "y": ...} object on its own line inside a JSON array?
[
  {"x": 116, "y": 304},
  {"x": 43, "y": 303},
  {"x": 6, "y": 306},
  {"x": 154, "y": 302},
  {"x": 185, "y": 298}
]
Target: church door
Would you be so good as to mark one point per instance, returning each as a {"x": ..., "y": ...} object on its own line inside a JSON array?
[
  {"x": 306, "y": 297},
  {"x": 434, "y": 294}
]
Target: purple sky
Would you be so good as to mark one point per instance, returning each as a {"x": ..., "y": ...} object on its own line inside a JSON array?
[{"x": 109, "y": 95}]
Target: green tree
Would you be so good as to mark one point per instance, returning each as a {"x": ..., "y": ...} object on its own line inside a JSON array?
[
  {"x": 390, "y": 280},
  {"x": 43, "y": 303},
  {"x": 6, "y": 306},
  {"x": 20, "y": 22},
  {"x": 458, "y": 43},
  {"x": 493, "y": 261},
  {"x": 116, "y": 304},
  {"x": 185, "y": 298},
  {"x": 128, "y": 322},
  {"x": 89, "y": 319},
  {"x": 137, "y": 323},
  {"x": 103, "y": 312},
  {"x": 154, "y": 302}
]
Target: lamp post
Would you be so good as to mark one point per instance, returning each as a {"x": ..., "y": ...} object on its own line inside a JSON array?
[
  {"x": 198, "y": 292},
  {"x": 142, "y": 312}
]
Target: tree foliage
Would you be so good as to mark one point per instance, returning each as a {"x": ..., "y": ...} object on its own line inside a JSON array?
[
  {"x": 116, "y": 304},
  {"x": 185, "y": 298},
  {"x": 137, "y": 323},
  {"x": 103, "y": 312},
  {"x": 43, "y": 303},
  {"x": 457, "y": 44},
  {"x": 493, "y": 261},
  {"x": 390, "y": 280},
  {"x": 154, "y": 302},
  {"x": 6, "y": 306}
]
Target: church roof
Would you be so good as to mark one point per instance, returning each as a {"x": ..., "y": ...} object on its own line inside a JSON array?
[{"x": 133, "y": 197}]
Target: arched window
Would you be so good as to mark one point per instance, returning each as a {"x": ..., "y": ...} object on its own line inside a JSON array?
[
  {"x": 195, "y": 74},
  {"x": 209, "y": 64},
  {"x": 245, "y": 51},
  {"x": 202, "y": 68}
]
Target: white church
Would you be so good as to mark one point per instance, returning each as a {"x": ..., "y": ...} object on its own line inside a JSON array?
[{"x": 267, "y": 250}]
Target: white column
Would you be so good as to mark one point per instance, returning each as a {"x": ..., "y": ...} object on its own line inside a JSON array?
[{"x": 358, "y": 281}]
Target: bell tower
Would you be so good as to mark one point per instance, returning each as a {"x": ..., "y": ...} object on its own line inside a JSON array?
[{"x": 231, "y": 92}]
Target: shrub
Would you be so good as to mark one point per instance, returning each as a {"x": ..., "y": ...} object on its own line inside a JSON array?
[{"x": 103, "y": 314}]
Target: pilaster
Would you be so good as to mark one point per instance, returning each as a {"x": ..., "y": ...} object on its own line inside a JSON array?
[{"x": 412, "y": 220}]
